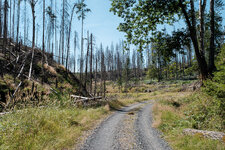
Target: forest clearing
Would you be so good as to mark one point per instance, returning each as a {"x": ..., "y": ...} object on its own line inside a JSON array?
[{"x": 115, "y": 75}]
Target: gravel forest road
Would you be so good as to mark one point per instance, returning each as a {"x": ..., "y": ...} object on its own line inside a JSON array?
[{"x": 127, "y": 129}]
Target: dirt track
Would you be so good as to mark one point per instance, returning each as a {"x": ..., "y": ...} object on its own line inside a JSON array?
[{"x": 128, "y": 128}]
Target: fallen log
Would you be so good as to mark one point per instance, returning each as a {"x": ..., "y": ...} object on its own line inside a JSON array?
[
  {"x": 23, "y": 65},
  {"x": 207, "y": 134},
  {"x": 83, "y": 99},
  {"x": 11, "y": 98},
  {"x": 10, "y": 52}
]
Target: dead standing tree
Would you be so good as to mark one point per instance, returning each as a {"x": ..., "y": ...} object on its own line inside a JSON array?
[
  {"x": 91, "y": 57},
  {"x": 96, "y": 71},
  {"x": 82, "y": 10},
  {"x": 68, "y": 42},
  {"x": 18, "y": 21},
  {"x": 0, "y": 18},
  {"x": 86, "y": 68},
  {"x": 32, "y": 4},
  {"x": 75, "y": 47},
  {"x": 5, "y": 25},
  {"x": 43, "y": 43}
]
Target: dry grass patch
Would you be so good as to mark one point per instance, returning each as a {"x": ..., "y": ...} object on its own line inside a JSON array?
[
  {"x": 50, "y": 69},
  {"x": 158, "y": 109},
  {"x": 61, "y": 67}
]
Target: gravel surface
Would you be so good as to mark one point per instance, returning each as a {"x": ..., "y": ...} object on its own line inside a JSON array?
[
  {"x": 126, "y": 130},
  {"x": 148, "y": 138}
]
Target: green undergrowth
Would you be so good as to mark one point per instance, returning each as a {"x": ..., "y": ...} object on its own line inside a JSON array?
[
  {"x": 46, "y": 128},
  {"x": 197, "y": 111},
  {"x": 203, "y": 110},
  {"x": 58, "y": 125}
]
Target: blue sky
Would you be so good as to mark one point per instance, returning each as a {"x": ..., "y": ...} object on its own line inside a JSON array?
[{"x": 102, "y": 23}]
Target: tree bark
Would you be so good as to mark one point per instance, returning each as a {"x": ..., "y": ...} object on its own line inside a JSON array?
[
  {"x": 25, "y": 21},
  {"x": 5, "y": 25},
  {"x": 96, "y": 70},
  {"x": 13, "y": 21},
  {"x": 68, "y": 42},
  {"x": 43, "y": 43},
  {"x": 0, "y": 18},
  {"x": 86, "y": 68},
  {"x": 33, "y": 39},
  {"x": 10, "y": 19},
  {"x": 82, "y": 47},
  {"x": 18, "y": 22},
  {"x": 91, "y": 63},
  {"x": 63, "y": 26},
  {"x": 55, "y": 28},
  {"x": 202, "y": 25},
  {"x": 193, "y": 34},
  {"x": 75, "y": 46},
  {"x": 212, "y": 66}
]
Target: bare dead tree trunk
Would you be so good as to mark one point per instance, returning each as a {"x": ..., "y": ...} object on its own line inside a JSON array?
[
  {"x": 75, "y": 46},
  {"x": 63, "y": 32},
  {"x": 13, "y": 23},
  {"x": 55, "y": 28},
  {"x": 18, "y": 22},
  {"x": 68, "y": 42},
  {"x": 159, "y": 66},
  {"x": 25, "y": 21},
  {"x": 96, "y": 70},
  {"x": 10, "y": 19},
  {"x": 104, "y": 79},
  {"x": 102, "y": 71},
  {"x": 0, "y": 18},
  {"x": 82, "y": 48},
  {"x": 43, "y": 43},
  {"x": 60, "y": 46},
  {"x": 91, "y": 63},
  {"x": 86, "y": 68},
  {"x": 33, "y": 3},
  {"x": 5, "y": 25}
]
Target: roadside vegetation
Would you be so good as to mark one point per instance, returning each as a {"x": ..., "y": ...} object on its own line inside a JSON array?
[
  {"x": 60, "y": 124},
  {"x": 202, "y": 109}
]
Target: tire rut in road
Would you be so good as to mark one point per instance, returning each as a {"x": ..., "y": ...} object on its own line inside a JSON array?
[{"x": 147, "y": 137}]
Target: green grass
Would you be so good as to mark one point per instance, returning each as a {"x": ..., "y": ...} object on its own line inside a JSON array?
[
  {"x": 57, "y": 126},
  {"x": 194, "y": 111},
  {"x": 172, "y": 126},
  {"x": 46, "y": 128}
]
